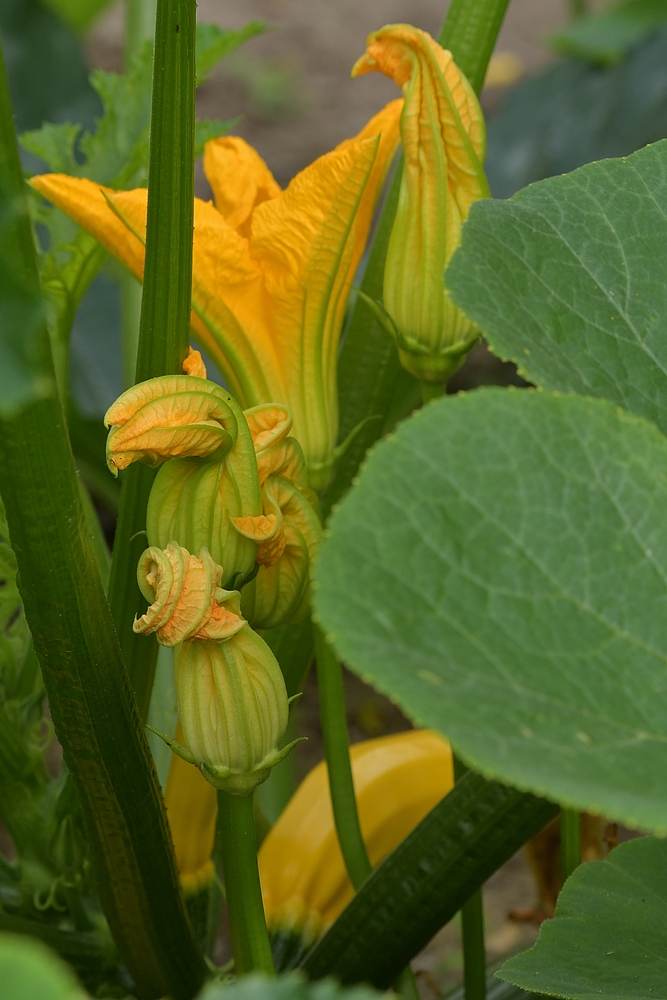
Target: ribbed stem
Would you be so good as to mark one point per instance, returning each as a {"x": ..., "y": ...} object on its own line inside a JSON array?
[
  {"x": 570, "y": 841},
  {"x": 247, "y": 923},
  {"x": 469, "y": 32},
  {"x": 92, "y": 708},
  {"x": 472, "y": 932},
  {"x": 165, "y": 306}
]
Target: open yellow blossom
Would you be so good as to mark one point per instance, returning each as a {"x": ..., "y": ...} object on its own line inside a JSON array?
[
  {"x": 443, "y": 138},
  {"x": 271, "y": 269}
]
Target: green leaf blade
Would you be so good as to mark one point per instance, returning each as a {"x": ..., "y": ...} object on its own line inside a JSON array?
[
  {"x": 566, "y": 280},
  {"x": 608, "y": 937},
  {"x": 516, "y": 601}
]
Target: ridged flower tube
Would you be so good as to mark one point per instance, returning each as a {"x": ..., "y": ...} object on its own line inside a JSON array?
[
  {"x": 443, "y": 139},
  {"x": 272, "y": 269}
]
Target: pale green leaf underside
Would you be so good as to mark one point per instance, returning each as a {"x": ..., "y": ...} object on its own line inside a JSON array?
[
  {"x": 609, "y": 937},
  {"x": 567, "y": 278},
  {"x": 500, "y": 570}
]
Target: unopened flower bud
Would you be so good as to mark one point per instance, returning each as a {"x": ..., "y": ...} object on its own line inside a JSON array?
[
  {"x": 443, "y": 138},
  {"x": 233, "y": 708}
]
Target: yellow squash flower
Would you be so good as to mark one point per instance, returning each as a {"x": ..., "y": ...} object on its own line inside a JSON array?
[
  {"x": 398, "y": 779},
  {"x": 271, "y": 269},
  {"x": 443, "y": 138}
]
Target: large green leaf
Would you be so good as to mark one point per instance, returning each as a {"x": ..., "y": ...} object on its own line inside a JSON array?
[
  {"x": 500, "y": 570},
  {"x": 29, "y": 970},
  {"x": 567, "y": 279},
  {"x": 289, "y": 987},
  {"x": 609, "y": 936}
]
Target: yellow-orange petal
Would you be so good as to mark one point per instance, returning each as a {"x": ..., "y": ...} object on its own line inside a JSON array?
[
  {"x": 194, "y": 364},
  {"x": 239, "y": 178},
  {"x": 89, "y": 205},
  {"x": 268, "y": 424}
]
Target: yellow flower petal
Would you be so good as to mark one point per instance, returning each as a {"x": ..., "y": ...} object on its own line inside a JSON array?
[
  {"x": 239, "y": 178},
  {"x": 85, "y": 202},
  {"x": 175, "y": 416},
  {"x": 191, "y": 810},
  {"x": 194, "y": 365},
  {"x": 187, "y": 600}
]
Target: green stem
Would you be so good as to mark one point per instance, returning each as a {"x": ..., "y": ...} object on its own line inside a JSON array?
[
  {"x": 337, "y": 753},
  {"x": 238, "y": 847},
  {"x": 472, "y": 932},
  {"x": 469, "y": 32},
  {"x": 92, "y": 708},
  {"x": 164, "y": 331},
  {"x": 570, "y": 841},
  {"x": 341, "y": 784},
  {"x": 432, "y": 390}
]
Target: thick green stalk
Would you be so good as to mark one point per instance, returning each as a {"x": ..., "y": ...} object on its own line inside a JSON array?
[
  {"x": 91, "y": 704},
  {"x": 165, "y": 306},
  {"x": 570, "y": 841},
  {"x": 426, "y": 880},
  {"x": 469, "y": 32},
  {"x": 238, "y": 847},
  {"x": 337, "y": 753}
]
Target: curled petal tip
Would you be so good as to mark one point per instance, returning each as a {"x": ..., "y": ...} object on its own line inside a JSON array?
[
  {"x": 194, "y": 364},
  {"x": 364, "y": 64}
]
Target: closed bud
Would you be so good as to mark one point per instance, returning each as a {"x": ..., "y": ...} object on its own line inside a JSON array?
[
  {"x": 232, "y": 704},
  {"x": 443, "y": 138}
]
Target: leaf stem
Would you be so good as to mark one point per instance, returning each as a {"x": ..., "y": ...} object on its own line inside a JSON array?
[
  {"x": 341, "y": 783},
  {"x": 247, "y": 923},
  {"x": 570, "y": 841},
  {"x": 337, "y": 753},
  {"x": 164, "y": 331}
]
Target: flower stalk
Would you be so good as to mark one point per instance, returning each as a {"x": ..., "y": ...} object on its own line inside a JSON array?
[{"x": 165, "y": 307}]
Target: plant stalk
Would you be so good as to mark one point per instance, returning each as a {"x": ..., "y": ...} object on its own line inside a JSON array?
[
  {"x": 341, "y": 783},
  {"x": 470, "y": 32},
  {"x": 337, "y": 753},
  {"x": 247, "y": 923},
  {"x": 139, "y": 25},
  {"x": 93, "y": 711},
  {"x": 164, "y": 330},
  {"x": 570, "y": 841}
]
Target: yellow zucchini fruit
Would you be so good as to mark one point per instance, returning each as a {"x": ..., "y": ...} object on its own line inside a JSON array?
[{"x": 398, "y": 779}]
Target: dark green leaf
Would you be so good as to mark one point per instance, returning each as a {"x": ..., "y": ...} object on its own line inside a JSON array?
[
  {"x": 500, "y": 570},
  {"x": 423, "y": 883},
  {"x": 605, "y": 36},
  {"x": 609, "y": 935},
  {"x": 573, "y": 113},
  {"x": 566, "y": 278},
  {"x": 78, "y": 14}
]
